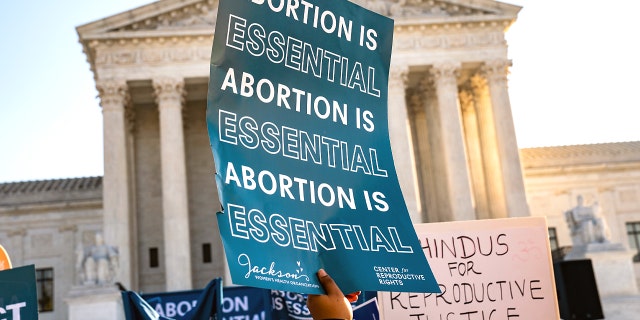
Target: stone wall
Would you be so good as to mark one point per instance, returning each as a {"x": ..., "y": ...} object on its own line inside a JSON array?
[{"x": 45, "y": 222}]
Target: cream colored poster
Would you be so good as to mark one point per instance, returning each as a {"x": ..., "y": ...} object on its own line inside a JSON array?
[{"x": 496, "y": 269}]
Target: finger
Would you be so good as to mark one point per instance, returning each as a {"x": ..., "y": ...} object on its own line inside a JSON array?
[{"x": 330, "y": 286}]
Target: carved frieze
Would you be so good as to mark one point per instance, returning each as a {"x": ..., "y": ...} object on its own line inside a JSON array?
[
  {"x": 153, "y": 52},
  {"x": 429, "y": 39}
]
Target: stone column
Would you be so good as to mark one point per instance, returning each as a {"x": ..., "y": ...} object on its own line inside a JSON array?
[
  {"x": 417, "y": 104},
  {"x": 400, "y": 137},
  {"x": 474, "y": 148},
  {"x": 452, "y": 142},
  {"x": 170, "y": 98},
  {"x": 116, "y": 181},
  {"x": 515, "y": 196},
  {"x": 488, "y": 141}
]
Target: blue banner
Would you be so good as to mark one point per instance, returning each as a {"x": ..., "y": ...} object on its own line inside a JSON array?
[
  {"x": 18, "y": 293},
  {"x": 297, "y": 119},
  {"x": 202, "y": 304},
  {"x": 237, "y": 303}
]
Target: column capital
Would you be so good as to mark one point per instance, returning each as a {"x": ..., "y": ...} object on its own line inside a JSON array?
[
  {"x": 167, "y": 90},
  {"x": 478, "y": 82},
  {"x": 427, "y": 85},
  {"x": 398, "y": 77},
  {"x": 467, "y": 100},
  {"x": 496, "y": 70},
  {"x": 113, "y": 94},
  {"x": 445, "y": 72}
]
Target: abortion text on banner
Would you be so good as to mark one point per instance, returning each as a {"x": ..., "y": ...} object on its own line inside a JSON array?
[
  {"x": 495, "y": 269},
  {"x": 297, "y": 119}
]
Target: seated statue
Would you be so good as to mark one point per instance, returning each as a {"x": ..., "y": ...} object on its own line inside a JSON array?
[
  {"x": 98, "y": 263},
  {"x": 586, "y": 224}
]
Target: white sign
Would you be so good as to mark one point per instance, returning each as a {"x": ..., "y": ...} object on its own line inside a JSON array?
[{"x": 498, "y": 269}]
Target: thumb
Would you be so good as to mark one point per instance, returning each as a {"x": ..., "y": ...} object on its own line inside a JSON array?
[{"x": 330, "y": 286}]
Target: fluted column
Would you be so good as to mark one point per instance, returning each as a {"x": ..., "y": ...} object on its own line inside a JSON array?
[
  {"x": 170, "y": 98},
  {"x": 116, "y": 181},
  {"x": 488, "y": 141},
  {"x": 515, "y": 196},
  {"x": 400, "y": 137},
  {"x": 416, "y": 105},
  {"x": 434, "y": 178},
  {"x": 452, "y": 142},
  {"x": 474, "y": 152}
]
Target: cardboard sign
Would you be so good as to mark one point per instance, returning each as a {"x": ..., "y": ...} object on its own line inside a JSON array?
[
  {"x": 18, "y": 293},
  {"x": 297, "y": 119},
  {"x": 494, "y": 269}
]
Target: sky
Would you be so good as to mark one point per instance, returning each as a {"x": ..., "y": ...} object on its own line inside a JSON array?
[{"x": 573, "y": 81}]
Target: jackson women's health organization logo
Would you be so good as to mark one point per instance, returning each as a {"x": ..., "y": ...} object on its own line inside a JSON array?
[{"x": 272, "y": 273}]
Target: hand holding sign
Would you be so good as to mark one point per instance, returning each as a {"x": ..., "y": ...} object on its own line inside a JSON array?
[{"x": 332, "y": 305}]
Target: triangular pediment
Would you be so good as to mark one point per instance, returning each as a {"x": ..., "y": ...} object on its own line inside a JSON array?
[
  {"x": 162, "y": 17},
  {"x": 174, "y": 16}
]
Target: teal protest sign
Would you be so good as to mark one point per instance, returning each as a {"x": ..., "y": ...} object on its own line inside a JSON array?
[
  {"x": 18, "y": 295},
  {"x": 297, "y": 118}
]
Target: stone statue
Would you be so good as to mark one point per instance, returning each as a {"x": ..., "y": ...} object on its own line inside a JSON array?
[
  {"x": 586, "y": 224},
  {"x": 98, "y": 264}
]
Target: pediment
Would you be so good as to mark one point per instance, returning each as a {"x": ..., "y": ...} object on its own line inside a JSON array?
[
  {"x": 179, "y": 16},
  {"x": 163, "y": 17}
]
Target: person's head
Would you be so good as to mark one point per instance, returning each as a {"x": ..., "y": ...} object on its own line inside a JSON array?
[{"x": 580, "y": 200}]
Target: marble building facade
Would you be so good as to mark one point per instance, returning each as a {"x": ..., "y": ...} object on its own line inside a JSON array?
[{"x": 451, "y": 132}]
